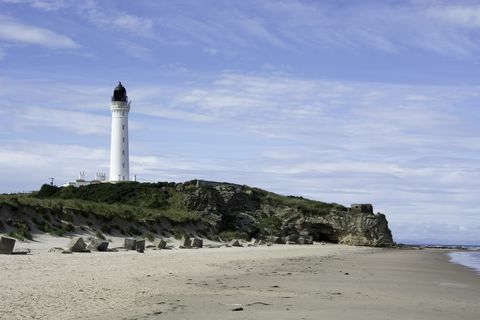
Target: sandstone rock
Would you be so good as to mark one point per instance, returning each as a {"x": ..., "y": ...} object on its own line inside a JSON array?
[
  {"x": 98, "y": 245},
  {"x": 159, "y": 244},
  {"x": 77, "y": 245},
  {"x": 197, "y": 243},
  {"x": 6, "y": 245},
  {"x": 130, "y": 244}
]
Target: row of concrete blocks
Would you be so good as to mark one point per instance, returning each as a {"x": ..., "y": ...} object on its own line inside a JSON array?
[
  {"x": 188, "y": 242},
  {"x": 292, "y": 239}
]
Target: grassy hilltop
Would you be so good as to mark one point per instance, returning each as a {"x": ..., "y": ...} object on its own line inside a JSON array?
[{"x": 207, "y": 209}]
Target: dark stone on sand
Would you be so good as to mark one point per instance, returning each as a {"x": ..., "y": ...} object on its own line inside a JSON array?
[
  {"x": 98, "y": 245},
  {"x": 77, "y": 245},
  {"x": 235, "y": 243},
  {"x": 197, "y": 243},
  {"x": 6, "y": 245},
  {"x": 140, "y": 245},
  {"x": 130, "y": 244},
  {"x": 159, "y": 243}
]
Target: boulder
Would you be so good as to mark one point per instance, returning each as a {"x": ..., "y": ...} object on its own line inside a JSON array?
[
  {"x": 98, "y": 245},
  {"x": 140, "y": 245},
  {"x": 130, "y": 244},
  {"x": 197, "y": 243},
  {"x": 235, "y": 243},
  {"x": 159, "y": 244},
  {"x": 76, "y": 245},
  {"x": 6, "y": 245}
]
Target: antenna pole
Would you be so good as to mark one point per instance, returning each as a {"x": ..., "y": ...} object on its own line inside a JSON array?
[{"x": 51, "y": 181}]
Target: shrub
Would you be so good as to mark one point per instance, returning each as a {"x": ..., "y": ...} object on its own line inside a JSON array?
[
  {"x": 150, "y": 237},
  {"x": 231, "y": 235},
  {"x": 69, "y": 227},
  {"x": 106, "y": 229},
  {"x": 272, "y": 224},
  {"x": 100, "y": 235},
  {"x": 133, "y": 230}
]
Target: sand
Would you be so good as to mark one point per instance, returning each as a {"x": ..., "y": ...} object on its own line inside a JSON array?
[{"x": 277, "y": 282}]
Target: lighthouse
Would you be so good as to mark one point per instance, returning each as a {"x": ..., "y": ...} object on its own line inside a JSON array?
[{"x": 119, "y": 161}]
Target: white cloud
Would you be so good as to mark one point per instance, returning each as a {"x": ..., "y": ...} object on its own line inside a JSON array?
[
  {"x": 16, "y": 32},
  {"x": 467, "y": 16},
  {"x": 135, "y": 50},
  {"x": 133, "y": 23},
  {"x": 46, "y": 5},
  {"x": 72, "y": 121}
]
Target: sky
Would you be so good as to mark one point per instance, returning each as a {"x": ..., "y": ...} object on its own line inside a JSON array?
[{"x": 339, "y": 101}]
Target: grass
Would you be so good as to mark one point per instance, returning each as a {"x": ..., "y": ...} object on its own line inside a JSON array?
[
  {"x": 144, "y": 205},
  {"x": 232, "y": 235}
]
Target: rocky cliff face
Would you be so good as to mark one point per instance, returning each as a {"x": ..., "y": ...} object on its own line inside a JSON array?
[
  {"x": 197, "y": 207},
  {"x": 263, "y": 214}
]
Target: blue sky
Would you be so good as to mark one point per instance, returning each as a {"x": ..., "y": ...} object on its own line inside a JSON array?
[{"x": 340, "y": 101}]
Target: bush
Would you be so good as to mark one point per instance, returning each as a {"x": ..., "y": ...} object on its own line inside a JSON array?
[
  {"x": 150, "y": 237},
  {"x": 133, "y": 230},
  {"x": 69, "y": 227},
  {"x": 272, "y": 224},
  {"x": 231, "y": 235},
  {"x": 100, "y": 235}
]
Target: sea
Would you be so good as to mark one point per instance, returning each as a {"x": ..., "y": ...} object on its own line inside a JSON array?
[
  {"x": 469, "y": 258},
  {"x": 468, "y": 255}
]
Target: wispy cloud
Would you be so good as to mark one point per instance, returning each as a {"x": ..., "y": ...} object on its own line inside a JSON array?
[
  {"x": 16, "y": 32},
  {"x": 71, "y": 121},
  {"x": 133, "y": 23}
]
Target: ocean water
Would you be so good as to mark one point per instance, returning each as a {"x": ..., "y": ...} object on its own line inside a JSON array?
[{"x": 470, "y": 259}]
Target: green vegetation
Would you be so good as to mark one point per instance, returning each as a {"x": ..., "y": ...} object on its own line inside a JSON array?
[
  {"x": 272, "y": 223},
  {"x": 230, "y": 235},
  {"x": 135, "y": 209},
  {"x": 306, "y": 206},
  {"x": 130, "y": 200}
]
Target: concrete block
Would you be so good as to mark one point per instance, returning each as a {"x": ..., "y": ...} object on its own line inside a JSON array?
[
  {"x": 186, "y": 242},
  {"x": 235, "y": 243},
  {"x": 197, "y": 243},
  {"x": 98, "y": 245},
  {"x": 6, "y": 245},
  {"x": 159, "y": 244},
  {"x": 130, "y": 244},
  {"x": 140, "y": 245},
  {"x": 76, "y": 245}
]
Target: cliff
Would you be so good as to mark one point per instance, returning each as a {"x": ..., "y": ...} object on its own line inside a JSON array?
[{"x": 208, "y": 209}]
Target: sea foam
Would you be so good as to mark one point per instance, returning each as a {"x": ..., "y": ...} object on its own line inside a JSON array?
[{"x": 470, "y": 259}]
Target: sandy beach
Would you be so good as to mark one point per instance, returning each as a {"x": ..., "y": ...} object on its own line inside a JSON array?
[{"x": 277, "y": 282}]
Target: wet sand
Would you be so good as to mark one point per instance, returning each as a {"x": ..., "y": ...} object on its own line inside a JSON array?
[{"x": 278, "y": 282}]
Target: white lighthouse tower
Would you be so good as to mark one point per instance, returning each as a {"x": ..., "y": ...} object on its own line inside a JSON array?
[{"x": 119, "y": 161}]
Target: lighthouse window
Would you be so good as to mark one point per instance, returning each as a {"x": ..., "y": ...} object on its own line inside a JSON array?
[
  {"x": 123, "y": 113},
  {"x": 123, "y": 152},
  {"x": 123, "y": 139},
  {"x": 124, "y": 165},
  {"x": 123, "y": 127}
]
